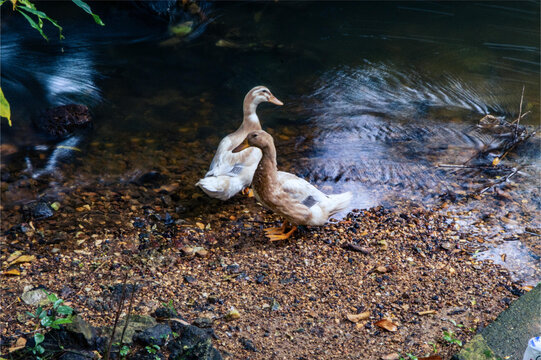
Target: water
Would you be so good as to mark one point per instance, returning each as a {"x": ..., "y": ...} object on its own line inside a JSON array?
[{"x": 377, "y": 95}]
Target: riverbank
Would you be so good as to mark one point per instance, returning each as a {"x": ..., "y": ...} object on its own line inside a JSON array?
[{"x": 296, "y": 299}]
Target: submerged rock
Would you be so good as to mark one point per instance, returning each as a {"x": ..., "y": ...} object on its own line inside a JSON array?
[{"x": 63, "y": 120}]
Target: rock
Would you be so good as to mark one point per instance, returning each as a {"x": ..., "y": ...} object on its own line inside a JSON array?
[
  {"x": 233, "y": 314},
  {"x": 189, "y": 279},
  {"x": 81, "y": 327},
  {"x": 193, "y": 344},
  {"x": 144, "y": 354},
  {"x": 156, "y": 335},
  {"x": 152, "y": 178},
  {"x": 136, "y": 323},
  {"x": 70, "y": 354},
  {"x": 37, "y": 210},
  {"x": 247, "y": 344},
  {"x": 203, "y": 322},
  {"x": 35, "y": 297},
  {"x": 63, "y": 120},
  {"x": 166, "y": 313}
]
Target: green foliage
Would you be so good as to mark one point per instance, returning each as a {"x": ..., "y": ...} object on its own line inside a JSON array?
[
  {"x": 434, "y": 347},
  {"x": 410, "y": 356},
  {"x": 5, "y": 111},
  {"x": 449, "y": 337},
  {"x": 49, "y": 319},
  {"x": 27, "y": 9},
  {"x": 170, "y": 306},
  {"x": 36, "y": 19}
]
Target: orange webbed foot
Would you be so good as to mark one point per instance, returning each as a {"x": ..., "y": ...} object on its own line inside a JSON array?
[
  {"x": 248, "y": 192},
  {"x": 281, "y": 235}
]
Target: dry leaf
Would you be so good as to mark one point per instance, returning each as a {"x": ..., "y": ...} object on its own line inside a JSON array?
[
  {"x": 23, "y": 259},
  {"x": 391, "y": 356},
  {"x": 496, "y": 161},
  {"x": 14, "y": 256},
  {"x": 387, "y": 325},
  {"x": 358, "y": 317},
  {"x": 200, "y": 225},
  {"x": 381, "y": 269},
  {"x": 19, "y": 344},
  {"x": 426, "y": 312},
  {"x": 431, "y": 357},
  {"x": 13, "y": 272}
]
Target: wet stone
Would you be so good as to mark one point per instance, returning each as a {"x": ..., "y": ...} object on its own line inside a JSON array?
[{"x": 63, "y": 120}]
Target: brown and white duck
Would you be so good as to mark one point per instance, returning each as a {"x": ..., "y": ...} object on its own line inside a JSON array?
[
  {"x": 231, "y": 172},
  {"x": 289, "y": 196}
]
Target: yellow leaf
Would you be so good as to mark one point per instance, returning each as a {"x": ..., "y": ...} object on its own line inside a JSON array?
[
  {"x": 200, "y": 225},
  {"x": 4, "y": 105},
  {"x": 13, "y": 272},
  {"x": 496, "y": 161},
  {"x": 23, "y": 259},
  {"x": 14, "y": 256}
]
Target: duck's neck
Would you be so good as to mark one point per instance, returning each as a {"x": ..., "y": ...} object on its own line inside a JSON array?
[
  {"x": 267, "y": 169},
  {"x": 250, "y": 121}
]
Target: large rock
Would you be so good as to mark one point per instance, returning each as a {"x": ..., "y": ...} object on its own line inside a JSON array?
[
  {"x": 137, "y": 323},
  {"x": 63, "y": 120},
  {"x": 156, "y": 335},
  {"x": 81, "y": 327},
  {"x": 193, "y": 343}
]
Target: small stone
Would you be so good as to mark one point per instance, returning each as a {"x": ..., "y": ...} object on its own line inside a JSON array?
[
  {"x": 233, "y": 314},
  {"x": 247, "y": 344},
  {"x": 189, "y": 279},
  {"x": 203, "y": 322}
]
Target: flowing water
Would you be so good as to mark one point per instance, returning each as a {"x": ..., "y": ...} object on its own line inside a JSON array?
[{"x": 376, "y": 96}]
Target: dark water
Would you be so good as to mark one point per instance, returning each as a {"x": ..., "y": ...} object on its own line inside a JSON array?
[{"x": 377, "y": 94}]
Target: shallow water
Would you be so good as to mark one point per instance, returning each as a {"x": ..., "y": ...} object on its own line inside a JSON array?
[{"x": 377, "y": 95}]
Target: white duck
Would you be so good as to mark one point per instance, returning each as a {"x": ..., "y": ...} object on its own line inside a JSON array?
[
  {"x": 289, "y": 196},
  {"x": 231, "y": 172}
]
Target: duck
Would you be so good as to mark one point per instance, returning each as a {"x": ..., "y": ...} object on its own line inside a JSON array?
[
  {"x": 231, "y": 173},
  {"x": 289, "y": 196}
]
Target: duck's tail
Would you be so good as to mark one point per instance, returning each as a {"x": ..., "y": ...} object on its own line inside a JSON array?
[
  {"x": 338, "y": 202},
  {"x": 220, "y": 187}
]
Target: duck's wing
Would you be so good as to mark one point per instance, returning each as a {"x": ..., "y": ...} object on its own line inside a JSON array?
[
  {"x": 225, "y": 162},
  {"x": 300, "y": 190}
]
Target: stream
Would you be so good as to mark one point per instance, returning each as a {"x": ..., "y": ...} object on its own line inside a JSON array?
[{"x": 377, "y": 95}]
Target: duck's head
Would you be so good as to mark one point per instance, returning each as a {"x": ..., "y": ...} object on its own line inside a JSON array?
[
  {"x": 259, "y": 138},
  {"x": 260, "y": 94}
]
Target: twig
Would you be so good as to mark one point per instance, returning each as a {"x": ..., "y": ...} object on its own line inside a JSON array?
[
  {"x": 127, "y": 319},
  {"x": 502, "y": 180},
  {"x": 519, "y": 110},
  {"x": 119, "y": 311},
  {"x": 520, "y": 118}
]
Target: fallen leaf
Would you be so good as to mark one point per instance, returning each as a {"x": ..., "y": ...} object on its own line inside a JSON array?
[
  {"x": 387, "y": 325},
  {"x": 496, "y": 161},
  {"x": 381, "y": 269},
  {"x": 426, "y": 312},
  {"x": 14, "y": 256},
  {"x": 431, "y": 357},
  {"x": 358, "y": 317},
  {"x": 233, "y": 314},
  {"x": 200, "y": 225},
  {"x": 391, "y": 356},
  {"x": 22, "y": 259},
  {"x": 13, "y": 272},
  {"x": 19, "y": 344}
]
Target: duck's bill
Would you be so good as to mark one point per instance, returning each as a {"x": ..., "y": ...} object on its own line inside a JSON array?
[
  {"x": 274, "y": 100},
  {"x": 243, "y": 145}
]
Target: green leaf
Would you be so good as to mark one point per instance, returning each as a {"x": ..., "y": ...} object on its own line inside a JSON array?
[
  {"x": 86, "y": 7},
  {"x": 40, "y": 349},
  {"x": 41, "y": 15},
  {"x": 38, "y": 338},
  {"x": 31, "y": 315},
  {"x": 42, "y": 314},
  {"x": 46, "y": 321},
  {"x": 33, "y": 24},
  {"x": 57, "y": 302},
  {"x": 64, "y": 310},
  {"x": 2, "y": 2},
  {"x": 62, "y": 321}
]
